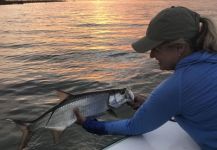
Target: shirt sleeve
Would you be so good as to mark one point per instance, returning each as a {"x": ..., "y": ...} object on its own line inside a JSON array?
[{"x": 162, "y": 104}]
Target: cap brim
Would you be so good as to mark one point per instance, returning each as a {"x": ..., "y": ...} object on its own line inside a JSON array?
[{"x": 145, "y": 44}]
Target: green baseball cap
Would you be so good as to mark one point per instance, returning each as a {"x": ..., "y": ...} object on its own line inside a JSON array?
[{"x": 170, "y": 24}]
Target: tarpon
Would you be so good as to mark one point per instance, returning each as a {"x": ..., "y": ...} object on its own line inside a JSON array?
[{"x": 61, "y": 116}]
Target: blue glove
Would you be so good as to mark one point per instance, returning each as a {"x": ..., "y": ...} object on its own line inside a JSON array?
[{"x": 94, "y": 126}]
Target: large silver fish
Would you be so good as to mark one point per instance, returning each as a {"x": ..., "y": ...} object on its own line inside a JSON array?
[{"x": 61, "y": 116}]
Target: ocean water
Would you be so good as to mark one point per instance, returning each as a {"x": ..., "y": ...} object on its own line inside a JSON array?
[{"x": 76, "y": 46}]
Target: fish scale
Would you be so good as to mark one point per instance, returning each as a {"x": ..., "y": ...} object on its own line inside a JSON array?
[{"x": 65, "y": 112}]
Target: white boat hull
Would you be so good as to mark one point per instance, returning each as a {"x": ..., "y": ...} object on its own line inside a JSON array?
[{"x": 169, "y": 136}]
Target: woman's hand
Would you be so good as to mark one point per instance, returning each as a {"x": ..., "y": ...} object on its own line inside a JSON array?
[
  {"x": 90, "y": 125},
  {"x": 137, "y": 102},
  {"x": 80, "y": 118}
]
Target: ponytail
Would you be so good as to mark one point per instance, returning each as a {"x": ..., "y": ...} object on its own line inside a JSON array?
[{"x": 207, "y": 38}]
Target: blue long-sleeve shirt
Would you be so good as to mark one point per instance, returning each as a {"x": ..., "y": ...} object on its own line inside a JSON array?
[{"x": 189, "y": 94}]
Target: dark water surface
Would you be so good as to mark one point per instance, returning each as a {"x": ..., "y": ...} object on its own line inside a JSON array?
[{"x": 75, "y": 46}]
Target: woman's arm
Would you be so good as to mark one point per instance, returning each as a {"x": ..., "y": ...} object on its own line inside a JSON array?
[{"x": 162, "y": 104}]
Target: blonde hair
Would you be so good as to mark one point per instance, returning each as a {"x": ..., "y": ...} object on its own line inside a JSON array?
[{"x": 207, "y": 37}]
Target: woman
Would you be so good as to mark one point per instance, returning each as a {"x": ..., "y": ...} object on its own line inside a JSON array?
[{"x": 180, "y": 40}]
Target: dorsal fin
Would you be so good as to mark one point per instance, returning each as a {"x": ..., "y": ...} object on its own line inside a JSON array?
[{"x": 62, "y": 95}]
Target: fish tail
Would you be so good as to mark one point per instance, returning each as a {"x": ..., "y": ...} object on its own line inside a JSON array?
[{"x": 27, "y": 133}]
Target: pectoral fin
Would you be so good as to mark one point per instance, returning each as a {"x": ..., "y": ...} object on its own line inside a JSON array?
[{"x": 56, "y": 135}]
